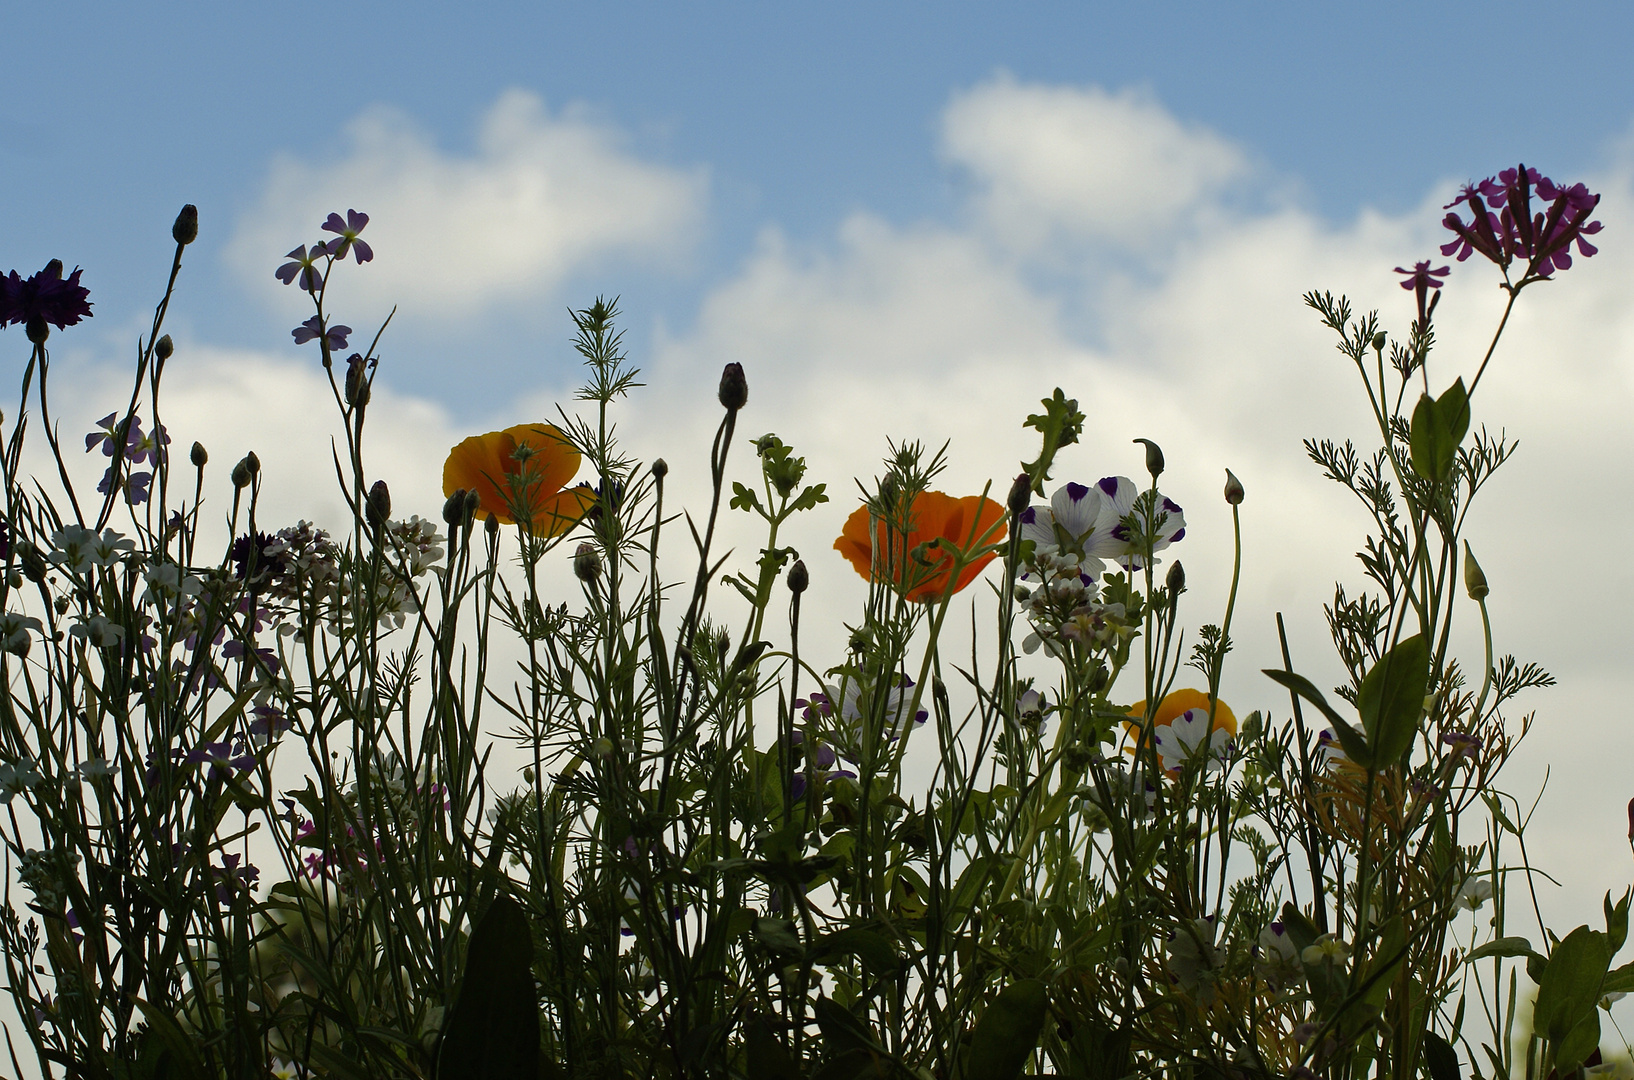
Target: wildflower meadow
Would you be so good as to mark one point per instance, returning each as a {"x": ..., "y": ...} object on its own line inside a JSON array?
[{"x": 256, "y": 825}]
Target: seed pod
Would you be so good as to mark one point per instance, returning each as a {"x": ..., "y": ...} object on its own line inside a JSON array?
[
  {"x": 734, "y": 391},
  {"x": 186, "y": 229}
]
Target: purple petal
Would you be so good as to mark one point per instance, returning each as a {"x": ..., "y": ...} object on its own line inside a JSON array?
[
  {"x": 356, "y": 219},
  {"x": 362, "y": 251},
  {"x": 334, "y": 224}
]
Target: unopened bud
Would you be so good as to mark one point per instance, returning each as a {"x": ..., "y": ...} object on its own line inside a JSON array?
[
  {"x": 357, "y": 380},
  {"x": 1175, "y": 582},
  {"x": 1154, "y": 458},
  {"x": 454, "y": 514},
  {"x": 1021, "y": 495},
  {"x": 1233, "y": 489},
  {"x": 921, "y": 552},
  {"x": 1474, "y": 579},
  {"x": 28, "y": 556},
  {"x": 660, "y": 468},
  {"x": 377, "y": 508},
  {"x": 887, "y": 495},
  {"x": 252, "y": 463},
  {"x": 734, "y": 391},
  {"x": 491, "y": 526},
  {"x": 163, "y": 348},
  {"x": 1378, "y": 339},
  {"x": 586, "y": 564},
  {"x": 186, "y": 229},
  {"x": 199, "y": 455},
  {"x": 242, "y": 473},
  {"x": 799, "y": 577}
]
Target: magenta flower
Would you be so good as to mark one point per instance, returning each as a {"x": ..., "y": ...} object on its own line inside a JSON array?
[
  {"x": 1503, "y": 225},
  {"x": 43, "y": 298},
  {"x": 1421, "y": 279},
  {"x": 313, "y": 329},
  {"x": 348, "y": 240},
  {"x": 303, "y": 265}
]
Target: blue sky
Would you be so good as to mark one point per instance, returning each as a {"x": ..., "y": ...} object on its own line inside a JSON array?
[
  {"x": 907, "y": 220},
  {"x": 115, "y": 114}
]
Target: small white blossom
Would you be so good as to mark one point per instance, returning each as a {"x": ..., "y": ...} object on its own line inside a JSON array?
[{"x": 99, "y": 632}]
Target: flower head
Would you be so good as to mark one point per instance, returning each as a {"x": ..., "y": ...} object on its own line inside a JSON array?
[
  {"x": 1181, "y": 730},
  {"x": 347, "y": 238},
  {"x": 302, "y": 265},
  {"x": 518, "y": 476},
  {"x": 922, "y": 562},
  {"x": 1421, "y": 279},
  {"x": 1503, "y": 225},
  {"x": 43, "y": 298},
  {"x": 313, "y": 329}
]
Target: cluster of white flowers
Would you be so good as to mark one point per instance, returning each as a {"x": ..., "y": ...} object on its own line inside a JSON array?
[
  {"x": 309, "y": 572},
  {"x": 78, "y": 550},
  {"x": 1066, "y": 605}
]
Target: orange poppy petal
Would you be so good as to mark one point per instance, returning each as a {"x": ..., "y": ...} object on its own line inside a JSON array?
[
  {"x": 554, "y": 460},
  {"x": 1178, "y": 702}
]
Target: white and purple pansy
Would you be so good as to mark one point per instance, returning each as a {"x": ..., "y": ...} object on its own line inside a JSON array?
[{"x": 1072, "y": 524}]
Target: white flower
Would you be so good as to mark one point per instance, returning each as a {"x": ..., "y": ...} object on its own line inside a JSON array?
[
  {"x": 99, "y": 632},
  {"x": 1128, "y": 514},
  {"x": 1276, "y": 960},
  {"x": 1193, "y": 958},
  {"x": 1328, "y": 749},
  {"x": 1326, "y": 950},
  {"x": 849, "y": 695},
  {"x": 92, "y": 768},
  {"x": 15, "y": 776},
  {"x": 79, "y": 549},
  {"x": 1473, "y": 893},
  {"x": 1032, "y": 711},
  {"x": 166, "y": 582},
  {"x": 14, "y": 630},
  {"x": 1183, "y": 738},
  {"x": 1072, "y": 524}
]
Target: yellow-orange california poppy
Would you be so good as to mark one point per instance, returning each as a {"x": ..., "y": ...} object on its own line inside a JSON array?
[
  {"x": 526, "y": 487},
  {"x": 959, "y": 523}
]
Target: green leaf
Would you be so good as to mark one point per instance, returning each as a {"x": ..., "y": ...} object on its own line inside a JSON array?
[
  {"x": 744, "y": 498},
  {"x": 1007, "y": 1033},
  {"x": 1620, "y": 981},
  {"x": 768, "y": 1057},
  {"x": 1617, "y": 921},
  {"x": 1440, "y": 1057},
  {"x": 841, "y": 1029},
  {"x": 1351, "y": 740},
  {"x": 1570, "y": 988},
  {"x": 874, "y": 949},
  {"x": 1391, "y": 699},
  {"x": 1060, "y": 423},
  {"x": 180, "y": 1056},
  {"x": 777, "y": 935},
  {"x": 1504, "y": 946},
  {"x": 1438, "y": 427},
  {"x": 492, "y": 1032},
  {"x": 1581, "y": 1041}
]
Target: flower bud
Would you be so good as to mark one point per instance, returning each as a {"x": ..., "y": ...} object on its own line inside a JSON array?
[
  {"x": 454, "y": 513},
  {"x": 587, "y": 564},
  {"x": 491, "y": 526},
  {"x": 1154, "y": 458},
  {"x": 28, "y": 556},
  {"x": 199, "y": 455},
  {"x": 660, "y": 468},
  {"x": 734, "y": 391},
  {"x": 921, "y": 552},
  {"x": 1378, "y": 339},
  {"x": 1021, "y": 495},
  {"x": 377, "y": 508},
  {"x": 887, "y": 495},
  {"x": 252, "y": 463},
  {"x": 799, "y": 577},
  {"x": 163, "y": 348},
  {"x": 243, "y": 474},
  {"x": 186, "y": 229},
  {"x": 1474, "y": 579},
  {"x": 1233, "y": 489},
  {"x": 357, "y": 381},
  {"x": 1175, "y": 582}
]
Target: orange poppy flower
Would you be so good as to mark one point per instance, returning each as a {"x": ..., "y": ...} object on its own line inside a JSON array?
[
  {"x": 1181, "y": 727},
  {"x": 959, "y": 523},
  {"x": 530, "y": 484}
]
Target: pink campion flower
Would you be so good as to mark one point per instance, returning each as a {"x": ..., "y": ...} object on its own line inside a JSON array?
[
  {"x": 1421, "y": 279},
  {"x": 1504, "y": 226},
  {"x": 348, "y": 240}
]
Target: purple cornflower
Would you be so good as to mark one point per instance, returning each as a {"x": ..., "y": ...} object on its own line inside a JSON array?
[
  {"x": 1504, "y": 226},
  {"x": 1421, "y": 279},
  {"x": 302, "y": 266},
  {"x": 43, "y": 298},
  {"x": 313, "y": 328},
  {"x": 348, "y": 239}
]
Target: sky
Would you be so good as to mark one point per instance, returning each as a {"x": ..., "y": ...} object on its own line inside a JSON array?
[{"x": 906, "y": 221}]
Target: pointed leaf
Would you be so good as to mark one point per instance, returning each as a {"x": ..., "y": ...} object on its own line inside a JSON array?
[
  {"x": 1007, "y": 1033},
  {"x": 1439, "y": 425},
  {"x": 1570, "y": 988},
  {"x": 768, "y": 1057},
  {"x": 1391, "y": 699},
  {"x": 492, "y": 1032},
  {"x": 1440, "y": 1057},
  {"x": 1352, "y": 741},
  {"x": 1617, "y": 921}
]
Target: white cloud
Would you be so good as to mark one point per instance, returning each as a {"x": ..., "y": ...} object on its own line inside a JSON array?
[
  {"x": 543, "y": 195},
  {"x": 1055, "y": 163}
]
